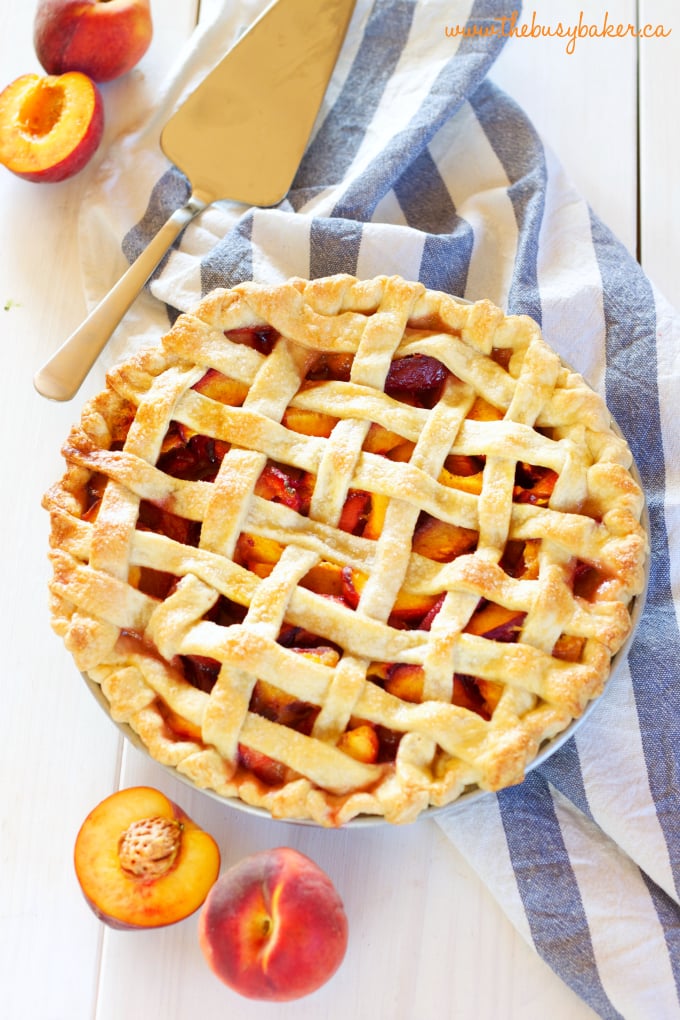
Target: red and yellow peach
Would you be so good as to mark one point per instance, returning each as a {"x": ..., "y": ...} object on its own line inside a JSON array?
[
  {"x": 102, "y": 38},
  {"x": 273, "y": 926}
]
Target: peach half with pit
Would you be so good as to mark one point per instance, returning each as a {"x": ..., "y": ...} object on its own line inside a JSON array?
[
  {"x": 141, "y": 862},
  {"x": 50, "y": 126},
  {"x": 273, "y": 927},
  {"x": 102, "y": 38}
]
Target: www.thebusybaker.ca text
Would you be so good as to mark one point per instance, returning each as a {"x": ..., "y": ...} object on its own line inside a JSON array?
[{"x": 508, "y": 26}]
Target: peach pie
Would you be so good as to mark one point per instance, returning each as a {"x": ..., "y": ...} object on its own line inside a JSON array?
[{"x": 341, "y": 547}]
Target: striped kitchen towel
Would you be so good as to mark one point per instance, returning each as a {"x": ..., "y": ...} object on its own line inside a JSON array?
[{"x": 422, "y": 167}]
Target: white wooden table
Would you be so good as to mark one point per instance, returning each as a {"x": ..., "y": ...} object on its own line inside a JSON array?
[{"x": 426, "y": 939}]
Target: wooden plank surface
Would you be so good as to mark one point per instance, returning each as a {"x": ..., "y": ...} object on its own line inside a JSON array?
[
  {"x": 582, "y": 102},
  {"x": 660, "y": 147}
]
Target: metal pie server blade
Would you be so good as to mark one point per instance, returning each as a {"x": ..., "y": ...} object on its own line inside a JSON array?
[{"x": 239, "y": 135}]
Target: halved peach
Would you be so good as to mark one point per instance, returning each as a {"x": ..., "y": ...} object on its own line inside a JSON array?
[
  {"x": 50, "y": 126},
  {"x": 141, "y": 862}
]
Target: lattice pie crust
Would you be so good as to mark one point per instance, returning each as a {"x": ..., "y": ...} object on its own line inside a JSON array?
[{"x": 346, "y": 547}]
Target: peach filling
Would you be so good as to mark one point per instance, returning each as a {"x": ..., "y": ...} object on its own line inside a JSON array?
[{"x": 417, "y": 380}]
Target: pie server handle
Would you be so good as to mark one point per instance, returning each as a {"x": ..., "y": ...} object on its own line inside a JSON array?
[{"x": 61, "y": 376}]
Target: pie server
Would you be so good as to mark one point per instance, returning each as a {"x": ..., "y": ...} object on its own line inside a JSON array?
[{"x": 240, "y": 135}]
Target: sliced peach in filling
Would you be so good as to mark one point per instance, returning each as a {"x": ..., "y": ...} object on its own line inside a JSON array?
[
  {"x": 331, "y": 366},
  {"x": 222, "y": 388},
  {"x": 200, "y": 671},
  {"x": 533, "y": 484},
  {"x": 191, "y": 457},
  {"x": 442, "y": 541},
  {"x": 375, "y": 519},
  {"x": 495, "y": 622},
  {"x": 482, "y": 410},
  {"x": 408, "y": 606},
  {"x": 324, "y": 579},
  {"x": 467, "y": 694},
  {"x": 491, "y": 692},
  {"x": 156, "y": 583},
  {"x": 266, "y": 769},
  {"x": 463, "y": 472},
  {"x": 225, "y": 612},
  {"x": 588, "y": 580},
  {"x": 381, "y": 440},
  {"x": 257, "y": 553},
  {"x": 462, "y": 464},
  {"x": 502, "y": 355},
  {"x": 154, "y": 518},
  {"x": 416, "y": 379},
  {"x": 275, "y": 704},
  {"x": 521, "y": 559},
  {"x": 287, "y": 485},
  {"x": 94, "y": 491},
  {"x": 465, "y": 482},
  {"x": 261, "y": 338},
  {"x": 308, "y": 423},
  {"x": 569, "y": 647},
  {"x": 179, "y": 726},
  {"x": 355, "y": 512},
  {"x": 402, "y": 453},
  {"x": 406, "y": 681},
  {"x": 361, "y": 742}
]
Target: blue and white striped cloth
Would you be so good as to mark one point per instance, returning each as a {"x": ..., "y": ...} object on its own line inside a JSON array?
[{"x": 420, "y": 166}]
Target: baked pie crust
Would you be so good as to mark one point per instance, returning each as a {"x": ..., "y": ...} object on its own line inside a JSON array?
[{"x": 346, "y": 547}]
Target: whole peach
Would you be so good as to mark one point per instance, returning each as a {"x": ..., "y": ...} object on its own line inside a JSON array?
[
  {"x": 50, "y": 127},
  {"x": 102, "y": 38},
  {"x": 273, "y": 926}
]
